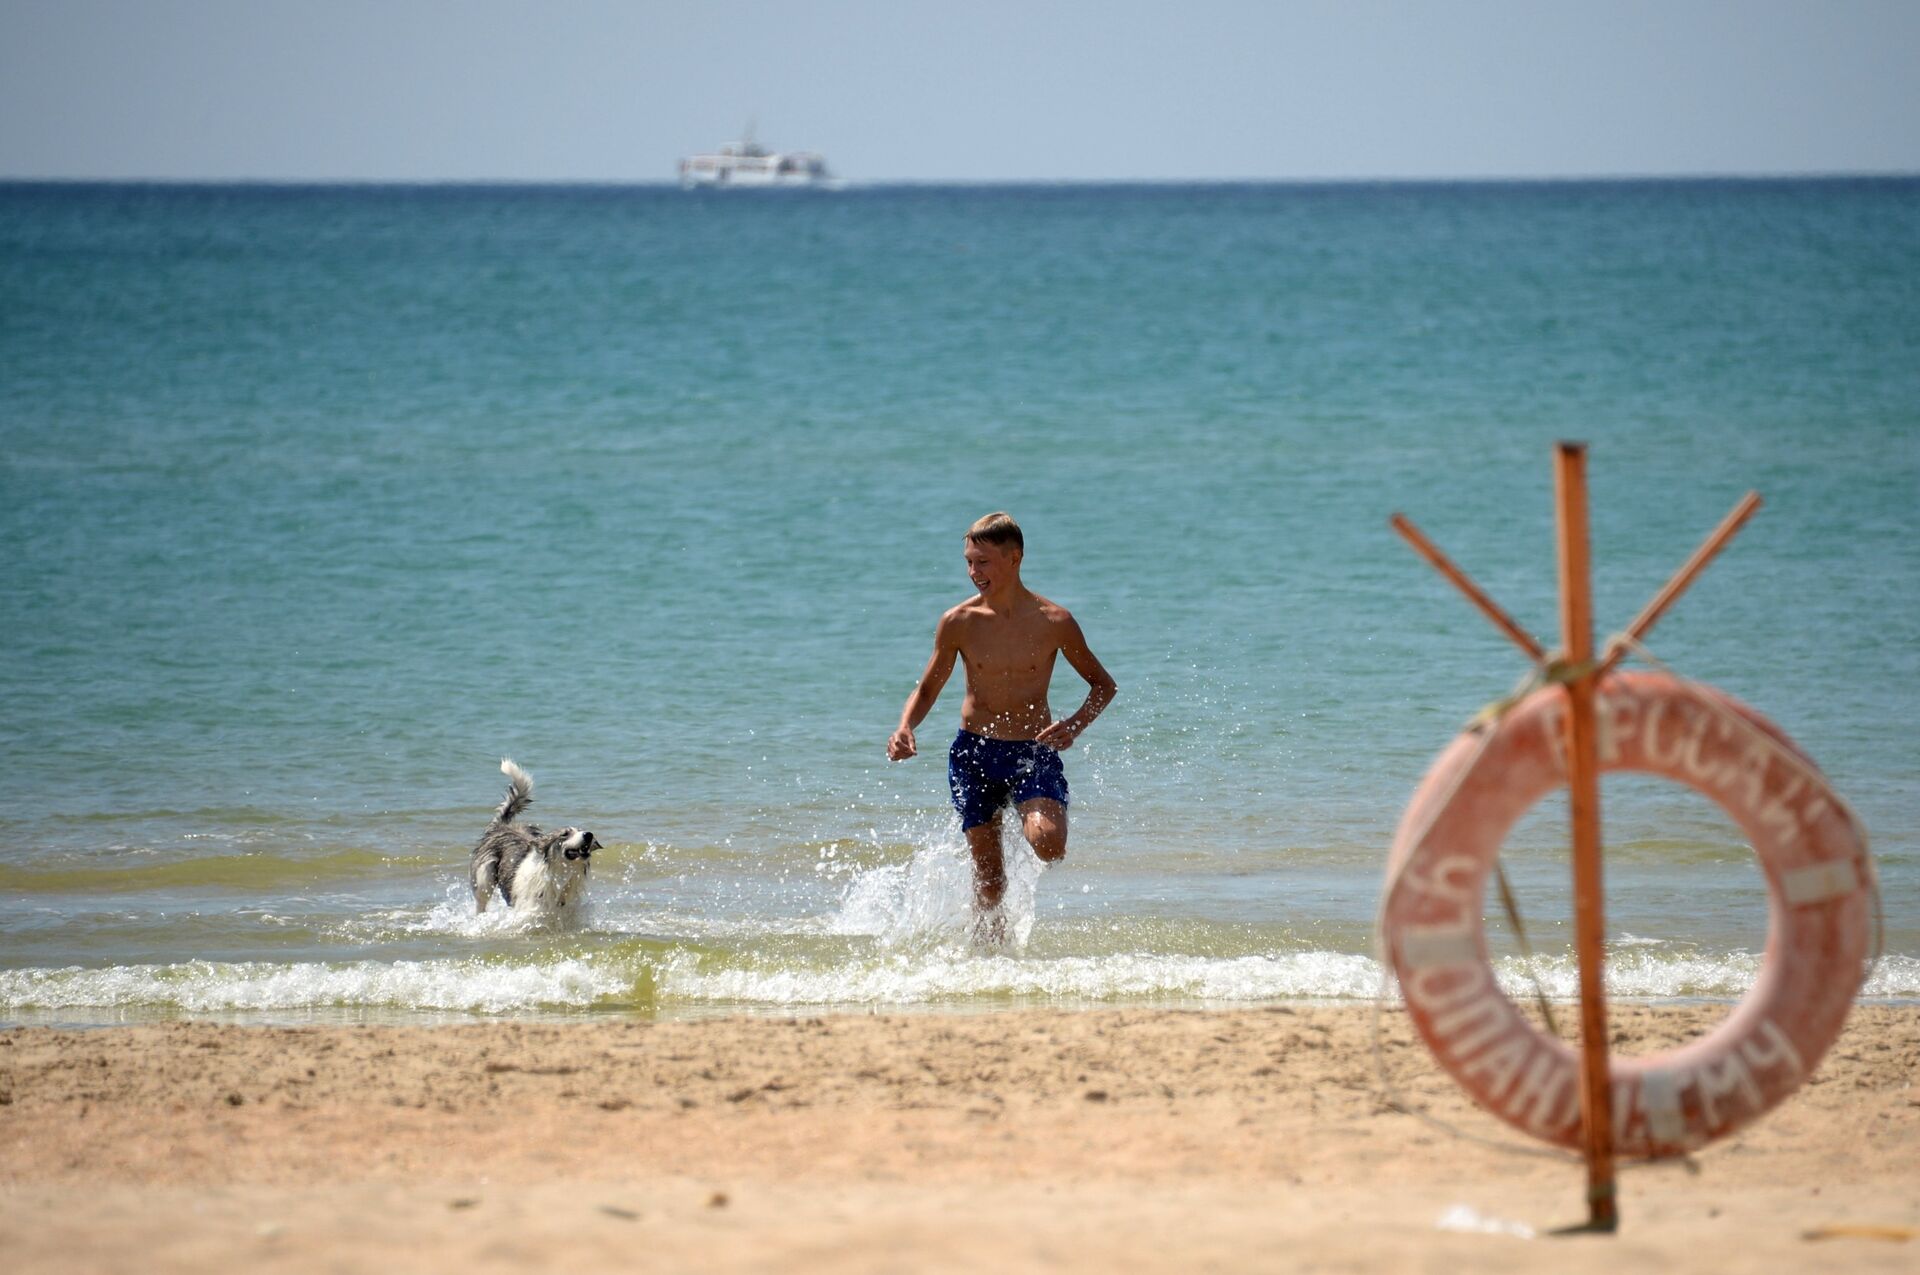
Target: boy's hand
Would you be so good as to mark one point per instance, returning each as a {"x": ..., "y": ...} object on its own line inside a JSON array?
[
  {"x": 1059, "y": 735},
  {"x": 901, "y": 745}
]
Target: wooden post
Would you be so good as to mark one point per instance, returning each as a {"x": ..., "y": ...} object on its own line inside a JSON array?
[
  {"x": 1685, "y": 576},
  {"x": 1583, "y": 787},
  {"x": 1459, "y": 579}
]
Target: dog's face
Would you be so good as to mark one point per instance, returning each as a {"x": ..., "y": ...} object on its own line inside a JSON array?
[{"x": 575, "y": 844}]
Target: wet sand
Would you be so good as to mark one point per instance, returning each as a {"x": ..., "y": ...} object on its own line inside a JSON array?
[{"x": 1136, "y": 1139}]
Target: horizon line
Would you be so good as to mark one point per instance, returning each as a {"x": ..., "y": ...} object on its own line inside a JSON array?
[{"x": 875, "y": 183}]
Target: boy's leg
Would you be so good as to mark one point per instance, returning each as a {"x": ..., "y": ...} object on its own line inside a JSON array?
[
  {"x": 977, "y": 776},
  {"x": 989, "y": 866},
  {"x": 1043, "y": 821}
]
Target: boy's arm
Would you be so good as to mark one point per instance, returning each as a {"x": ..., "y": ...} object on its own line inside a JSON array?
[
  {"x": 1101, "y": 688},
  {"x": 946, "y": 649}
]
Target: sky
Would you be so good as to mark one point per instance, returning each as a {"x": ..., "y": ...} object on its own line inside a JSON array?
[{"x": 958, "y": 90}]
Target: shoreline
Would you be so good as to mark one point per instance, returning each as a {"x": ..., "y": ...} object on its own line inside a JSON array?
[
  {"x": 1108, "y": 1138},
  {"x": 359, "y": 1018},
  {"x": 454, "y": 1020}
]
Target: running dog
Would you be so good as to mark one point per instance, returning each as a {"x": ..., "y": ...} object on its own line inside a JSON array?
[{"x": 535, "y": 871}]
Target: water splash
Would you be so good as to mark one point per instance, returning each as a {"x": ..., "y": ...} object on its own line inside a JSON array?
[
  {"x": 927, "y": 902},
  {"x": 455, "y": 915}
]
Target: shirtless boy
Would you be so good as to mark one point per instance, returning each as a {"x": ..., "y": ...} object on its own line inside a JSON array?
[{"x": 1008, "y": 748}]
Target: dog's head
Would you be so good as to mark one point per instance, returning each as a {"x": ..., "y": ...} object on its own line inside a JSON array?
[{"x": 570, "y": 846}]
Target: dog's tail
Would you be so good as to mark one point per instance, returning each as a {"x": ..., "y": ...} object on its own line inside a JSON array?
[{"x": 519, "y": 791}]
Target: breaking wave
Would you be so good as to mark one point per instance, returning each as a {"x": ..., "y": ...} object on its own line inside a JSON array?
[{"x": 648, "y": 979}]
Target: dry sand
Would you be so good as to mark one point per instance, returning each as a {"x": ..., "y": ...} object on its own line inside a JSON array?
[{"x": 1138, "y": 1139}]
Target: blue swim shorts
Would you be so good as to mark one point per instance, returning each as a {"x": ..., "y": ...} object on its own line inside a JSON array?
[{"x": 986, "y": 774}]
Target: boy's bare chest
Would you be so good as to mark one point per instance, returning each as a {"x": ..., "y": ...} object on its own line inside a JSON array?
[{"x": 1009, "y": 649}]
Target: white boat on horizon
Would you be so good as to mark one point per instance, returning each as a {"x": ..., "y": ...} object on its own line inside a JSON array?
[{"x": 746, "y": 163}]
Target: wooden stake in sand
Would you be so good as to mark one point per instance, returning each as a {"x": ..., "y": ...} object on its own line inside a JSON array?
[{"x": 1583, "y": 799}]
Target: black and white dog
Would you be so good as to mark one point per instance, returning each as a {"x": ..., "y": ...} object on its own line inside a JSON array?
[{"x": 541, "y": 872}]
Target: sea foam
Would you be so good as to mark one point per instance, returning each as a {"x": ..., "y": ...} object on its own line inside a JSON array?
[
  {"x": 466, "y": 986},
  {"x": 646, "y": 979}
]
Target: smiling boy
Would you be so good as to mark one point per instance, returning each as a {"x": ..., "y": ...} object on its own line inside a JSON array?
[{"x": 1008, "y": 748}]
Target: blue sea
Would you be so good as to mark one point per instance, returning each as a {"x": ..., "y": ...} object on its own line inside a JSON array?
[{"x": 318, "y": 501}]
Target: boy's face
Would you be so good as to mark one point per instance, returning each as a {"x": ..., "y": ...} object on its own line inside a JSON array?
[{"x": 988, "y": 565}]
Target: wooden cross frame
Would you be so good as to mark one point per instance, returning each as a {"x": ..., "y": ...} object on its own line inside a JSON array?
[{"x": 1583, "y": 771}]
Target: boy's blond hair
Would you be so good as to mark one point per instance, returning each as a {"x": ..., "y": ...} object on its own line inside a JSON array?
[{"x": 997, "y": 529}]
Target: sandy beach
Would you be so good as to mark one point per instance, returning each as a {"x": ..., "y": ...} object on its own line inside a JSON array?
[{"x": 1133, "y": 1139}]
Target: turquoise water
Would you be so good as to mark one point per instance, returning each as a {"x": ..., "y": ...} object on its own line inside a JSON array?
[{"x": 318, "y": 501}]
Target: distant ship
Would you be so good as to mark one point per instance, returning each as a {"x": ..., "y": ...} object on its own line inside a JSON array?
[{"x": 747, "y": 163}]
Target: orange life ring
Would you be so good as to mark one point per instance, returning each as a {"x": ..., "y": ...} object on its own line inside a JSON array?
[{"x": 1819, "y": 902}]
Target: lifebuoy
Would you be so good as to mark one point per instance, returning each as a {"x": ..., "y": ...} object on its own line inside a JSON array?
[{"x": 1819, "y": 902}]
